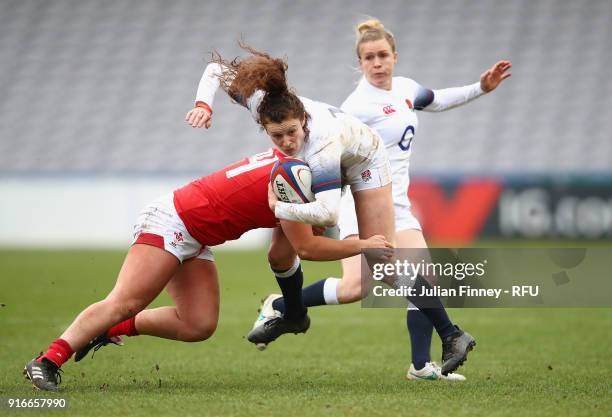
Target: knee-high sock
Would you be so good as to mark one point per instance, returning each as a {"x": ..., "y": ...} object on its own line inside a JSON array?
[
  {"x": 290, "y": 283},
  {"x": 320, "y": 293},
  {"x": 432, "y": 307},
  {"x": 420, "y": 330}
]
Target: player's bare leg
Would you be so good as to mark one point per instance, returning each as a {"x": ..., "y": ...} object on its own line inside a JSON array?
[
  {"x": 372, "y": 208},
  {"x": 195, "y": 292},
  {"x": 419, "y": 327},
  {"x": 375, "y": 213},
  {"x": 349, "y": 288},
  {"x": 380, "y": 224},
  {"x": 145, "y": 272}
]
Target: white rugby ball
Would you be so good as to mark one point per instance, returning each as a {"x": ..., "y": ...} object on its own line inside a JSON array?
[{"x": 291, "y": 181}]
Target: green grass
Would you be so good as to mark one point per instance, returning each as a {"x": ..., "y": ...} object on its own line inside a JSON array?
[{"x": 545, "y": 362}]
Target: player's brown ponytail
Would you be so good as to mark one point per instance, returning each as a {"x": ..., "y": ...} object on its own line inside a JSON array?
[{"x": 242, "y": 77}]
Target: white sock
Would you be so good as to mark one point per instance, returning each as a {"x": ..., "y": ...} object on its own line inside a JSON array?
[
  {"x": 329, "y": 290},
  {"x": 288, "y": 272}
]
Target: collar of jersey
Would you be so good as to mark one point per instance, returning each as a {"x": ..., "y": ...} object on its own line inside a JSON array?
[{"x": 367, "y": 87}]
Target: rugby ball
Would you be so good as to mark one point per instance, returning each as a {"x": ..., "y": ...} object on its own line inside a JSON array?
[{"x": 291, "y": 181}]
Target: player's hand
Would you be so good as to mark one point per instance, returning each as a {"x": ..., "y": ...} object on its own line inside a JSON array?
[
  {"x": 385, "y": 249},
  {"x": 376, "y": 242},
  {"x": 199, "y": 117},
  {"x": 272, "y": 199},
  {"x": 491, "y": 78},
  {"x": 379, "y": 249}
]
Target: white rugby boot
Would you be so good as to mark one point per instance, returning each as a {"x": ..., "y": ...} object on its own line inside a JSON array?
[
  {"x": 431, "y": 372},
  {"x": 266, "y": 312}
]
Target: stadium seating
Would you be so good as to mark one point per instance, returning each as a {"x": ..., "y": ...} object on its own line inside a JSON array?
[{"x": 94, "y": 87}]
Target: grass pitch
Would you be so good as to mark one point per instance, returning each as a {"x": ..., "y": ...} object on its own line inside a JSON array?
[{"x": 352, "y": 362}]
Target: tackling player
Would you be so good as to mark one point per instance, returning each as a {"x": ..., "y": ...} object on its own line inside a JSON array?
[{"x": 171, "y": 250}]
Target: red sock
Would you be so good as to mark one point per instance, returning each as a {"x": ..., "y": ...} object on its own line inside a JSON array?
[
  {"x": 126, "y": 327},
  {"x": 59, "y": 352}
]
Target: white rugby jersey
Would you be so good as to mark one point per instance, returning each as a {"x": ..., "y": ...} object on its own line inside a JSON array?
[
  {"x": 391, "y": 113},
  {"x": 336, "y": 142}
]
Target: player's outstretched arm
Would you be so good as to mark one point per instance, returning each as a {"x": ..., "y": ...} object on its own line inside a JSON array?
[
  {"x": 318, "y": 248},
  {"x": 201, "y": 114},
  {"x": 449, "y": 98},
  {"x": 217, "y": 75}
]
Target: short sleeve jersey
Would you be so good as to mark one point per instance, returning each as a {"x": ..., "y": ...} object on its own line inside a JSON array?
[{"x": 224, "y": 205}]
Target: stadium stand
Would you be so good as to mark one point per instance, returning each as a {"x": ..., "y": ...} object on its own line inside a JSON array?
[{"x": 102, "y": 87}]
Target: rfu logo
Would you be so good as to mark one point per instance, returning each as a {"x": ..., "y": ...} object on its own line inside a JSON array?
[
  {"x": 388, "y": 109},
  {"x": 366, "y": 175}
]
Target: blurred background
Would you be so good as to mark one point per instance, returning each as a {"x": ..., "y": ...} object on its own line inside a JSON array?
[{"x": 94, "y": 94}]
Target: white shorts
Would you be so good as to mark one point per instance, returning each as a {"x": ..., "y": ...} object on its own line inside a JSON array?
[
  {"x": 159, "y": 225},
  {"x": 375, "y": 172},
  {"x": 404, "y": 219}
]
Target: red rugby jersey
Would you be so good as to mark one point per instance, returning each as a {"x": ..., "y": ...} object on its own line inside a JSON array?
[{"x": 225, "y": 204}]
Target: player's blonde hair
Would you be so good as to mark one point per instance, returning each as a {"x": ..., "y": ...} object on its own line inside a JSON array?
[{"x": 372, "y": 30}]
